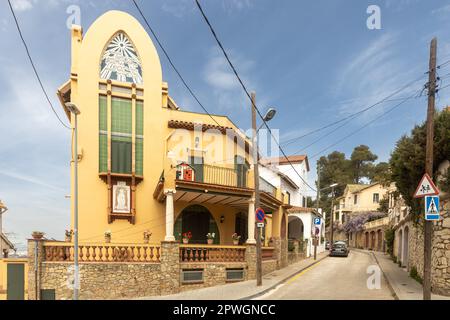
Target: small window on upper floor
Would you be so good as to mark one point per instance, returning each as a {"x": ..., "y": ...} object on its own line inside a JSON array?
[
  {"x": 376, "y": 198},
  {"x": 355, "y": 199}
]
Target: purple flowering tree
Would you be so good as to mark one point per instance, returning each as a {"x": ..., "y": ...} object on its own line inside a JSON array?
[{"x": 356, "y": 223}]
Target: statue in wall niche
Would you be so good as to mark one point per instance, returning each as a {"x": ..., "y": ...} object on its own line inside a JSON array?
[{"x": 121, "y": 198}]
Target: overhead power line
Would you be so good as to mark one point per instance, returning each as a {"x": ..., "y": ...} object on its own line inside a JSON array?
[
  {"x": 34, "y": 67},
  {"x": 353, "y": 115},
  {"x": 348, "y": 121},
  {"x": 246, "y": 91},
  {"x": 172, "y": 64},
  {"x": 362, "y": 127}
]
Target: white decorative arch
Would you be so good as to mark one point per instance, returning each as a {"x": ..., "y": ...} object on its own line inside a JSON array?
[{"x": 120, "y": 60}]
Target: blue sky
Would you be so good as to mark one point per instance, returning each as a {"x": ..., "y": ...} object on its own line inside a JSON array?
[{"x": 315, "y": 61}]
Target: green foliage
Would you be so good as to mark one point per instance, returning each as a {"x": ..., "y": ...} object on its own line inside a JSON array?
[
  {"x": 336, "y": 168},
  {"x": 415, "y": 275},
  {"x": 381, "y": 173},
  {"x": 408, "y": 159},
  {"x": 444, "y": 183},
  {"x": 389, "y": 236},
  {"x": 383, "y": 205},
  {"x": 361, "y": 163}
]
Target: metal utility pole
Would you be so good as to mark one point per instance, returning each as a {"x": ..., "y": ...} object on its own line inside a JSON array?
[
  {"x": 257, "y": 202},
  {"x": 317, "y": 210},
  {"x": 332, "y": 216},
  {"x": 75, "y": 111},
  {"x": 429, "y": 168}
]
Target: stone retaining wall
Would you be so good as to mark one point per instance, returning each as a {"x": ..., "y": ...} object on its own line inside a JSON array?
[
  {"x": 102, "y": 280},
  {"x": 123, "y": 280},
  {"x": 440, "y": 256}
]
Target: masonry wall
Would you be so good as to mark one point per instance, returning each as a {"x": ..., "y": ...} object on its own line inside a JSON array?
[
  {"x": 102, "y": 280},
  {"x": 440, "y": 257},
  {"x": 124, "y": 280}
]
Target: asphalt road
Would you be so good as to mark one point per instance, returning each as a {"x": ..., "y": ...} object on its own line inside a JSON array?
[{"x": 334, "y": 278}]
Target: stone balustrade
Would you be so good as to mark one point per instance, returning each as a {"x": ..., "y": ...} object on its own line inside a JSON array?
[
  {"x": 211, "y": 253},
  {"x": 63, "y": 251}
]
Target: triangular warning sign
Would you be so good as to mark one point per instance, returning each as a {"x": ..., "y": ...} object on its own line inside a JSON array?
[{"x": 426, "y": 187}]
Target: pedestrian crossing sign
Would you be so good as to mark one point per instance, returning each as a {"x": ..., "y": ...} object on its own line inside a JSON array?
[{"x": 432, "y": 208}]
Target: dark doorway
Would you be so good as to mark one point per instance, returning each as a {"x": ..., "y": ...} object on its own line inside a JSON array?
[
  {"x": 199, "y": 221},
  {"x": 197, "y": 164},
  {"x": 241, "y": 226},
  {"x": 241, "y": 166},
  {"x": 16, "y": 281}
]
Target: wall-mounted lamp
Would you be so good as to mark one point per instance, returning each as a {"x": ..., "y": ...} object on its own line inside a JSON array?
[{"x": 222, "y": 218}]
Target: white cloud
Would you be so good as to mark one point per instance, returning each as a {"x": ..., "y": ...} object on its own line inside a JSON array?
[
  {"x": 371, "y": 75},
  {"x": 228, "y": 93},
  {"x": 179, "y": 8},
  {"x": 442, "y": 10},
  {"x": 22, "y": 5}
]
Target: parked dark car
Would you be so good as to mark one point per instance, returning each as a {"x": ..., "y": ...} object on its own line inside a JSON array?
[{"x": 339, "y": 249}]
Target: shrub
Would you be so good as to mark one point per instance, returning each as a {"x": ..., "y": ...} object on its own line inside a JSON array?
[
  {"x": 389, "y": 236},
  {"x": 415, "y": 275}
]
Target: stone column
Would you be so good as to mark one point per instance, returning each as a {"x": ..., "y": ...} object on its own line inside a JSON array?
[
  {"x": 250, "y": 259},
  {"x": 169, "y": 216},
  {"x": 35, "y": 257},
  {"x": 170, "y": 267},
  {"x": 251, "y": 222}
]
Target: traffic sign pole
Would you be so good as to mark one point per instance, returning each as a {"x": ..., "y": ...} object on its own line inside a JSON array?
[{"x": 428, "y": 234}]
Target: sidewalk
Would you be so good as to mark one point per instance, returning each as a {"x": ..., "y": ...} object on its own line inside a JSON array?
[
  {"x": 246, "y": 289},
  {"x": 405, "y": 287}
]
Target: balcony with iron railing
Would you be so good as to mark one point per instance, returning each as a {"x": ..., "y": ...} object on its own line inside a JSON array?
[
  {"x": 210, "y": 174},
  {"x": 266, "y": 186}
]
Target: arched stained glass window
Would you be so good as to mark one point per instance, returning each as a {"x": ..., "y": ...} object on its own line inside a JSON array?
[{"x": 120, "y": 61}]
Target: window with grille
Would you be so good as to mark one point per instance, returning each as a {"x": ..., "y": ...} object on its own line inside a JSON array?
[
  {"x": 121, "y": 135},
  {"x": 192, "y": 276},
  {"x": 121, "y": 140},
  {"x": 103, "y": 134},
  {"x": 235, "y": 274}
]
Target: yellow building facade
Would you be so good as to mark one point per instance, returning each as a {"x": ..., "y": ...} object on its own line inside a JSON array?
[{"x": 144, "y": 165}]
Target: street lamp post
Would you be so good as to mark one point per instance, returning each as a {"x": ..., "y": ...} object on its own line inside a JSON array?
[
  {"x": 332, "y": 186},
  {"x": 332, "y": 214},
  {"x": 268, "y": 116},
  {"x": 75, "y": 111}
]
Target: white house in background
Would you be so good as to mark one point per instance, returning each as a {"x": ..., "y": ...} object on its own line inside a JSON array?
[
  {"x": 5, "y": 245},
  {"x": 278, "y": 172}
]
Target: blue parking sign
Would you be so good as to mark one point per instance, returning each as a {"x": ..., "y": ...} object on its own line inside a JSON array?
[
  {"x": 432, "y": 208},
  {"x": 317, "y": 221}
]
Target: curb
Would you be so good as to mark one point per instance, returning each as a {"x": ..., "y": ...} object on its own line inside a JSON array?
[
  {"x": 282, "y": 281},
  {"x": 391, "y": 288}
]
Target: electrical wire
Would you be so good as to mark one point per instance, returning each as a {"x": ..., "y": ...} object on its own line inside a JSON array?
[
  {"x": 247, "y": 92},
  {"x": 354, "y": 115},
  {"x": 34, "y": 67},
  {"x": 360, "y": 128},
  {"x": 172, "y": 64},
  {"x": 417, "y": 95}
]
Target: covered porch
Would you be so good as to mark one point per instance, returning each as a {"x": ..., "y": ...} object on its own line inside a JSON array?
[{"x": 201, "y": 208}]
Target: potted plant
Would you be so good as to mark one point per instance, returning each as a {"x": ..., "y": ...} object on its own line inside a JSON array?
[
  {"x": 210, "y": 237},
  {"x": 235, "y": 238},
  {"x": 69, "y": 234},
  {"x": 108, "y": 236},
  {"x": 147, "y": 235},
  {"x": 187, "y": 236},
  {"x": 37, "y": 235}
]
